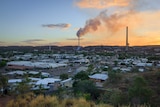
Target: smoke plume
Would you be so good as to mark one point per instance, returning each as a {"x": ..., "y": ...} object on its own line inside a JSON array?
[
  {"x": 91, "y": 25},
  {"x": 112, "y": 23}
]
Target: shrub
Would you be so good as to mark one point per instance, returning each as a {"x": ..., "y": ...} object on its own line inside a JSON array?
[{"x": 139, "y": 92}]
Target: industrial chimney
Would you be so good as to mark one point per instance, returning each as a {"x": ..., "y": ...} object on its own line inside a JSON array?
[
  {"x": 78, "y": 47},
  {"x": 78, "y": 41},
  {"x": 49, "y": 48},
  {"x": 127, "y": 44}
]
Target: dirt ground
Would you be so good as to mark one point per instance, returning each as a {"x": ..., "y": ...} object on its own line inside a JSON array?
[{"x": 4, "y": 100}]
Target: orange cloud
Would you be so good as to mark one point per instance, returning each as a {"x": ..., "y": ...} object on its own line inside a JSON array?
[{"x": 99, "y": 4}]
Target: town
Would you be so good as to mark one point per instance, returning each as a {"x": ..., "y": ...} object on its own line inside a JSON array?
[{"x": 59, "y": 70}]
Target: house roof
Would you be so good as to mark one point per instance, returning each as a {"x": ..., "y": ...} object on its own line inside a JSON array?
[
  {"x": 36, "y": 64},
  {"x": 99, "y": 76},
  {"x": 69, "y": 79},
  {"x": 45, "y": 81},
  {"x": 14, "y": 80},
  {"x": 16, "y": 72},
  {"x": 33, "y": 72},
  {"x": 34, "y": 79},
  {"x": 82, "y": 68},
  {"x": 81, "y": 61}
]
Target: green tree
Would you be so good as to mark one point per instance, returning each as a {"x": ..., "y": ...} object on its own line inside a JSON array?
[
  {"x": 81, "y": 76},
  {"x": 90, "y": 68},
  {"x": 23, "y": 87},
  {"x": 116, "y": 98},
  {"x": 105, "y": 97},
  {"x": 3, "y": 83},
  {"x": 114, "y": 77},
  {"x": 3, "y": 63},
  {"x": 135, "y": 69},
  {"x": 115, "y": 63},
  {"x": 63, "y": 76},
  {"x": 139, "y": 92},
  {"x": 86, "y": 87}
]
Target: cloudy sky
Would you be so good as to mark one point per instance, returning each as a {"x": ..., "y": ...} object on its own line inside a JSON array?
[{"x": 96, "y": 22}]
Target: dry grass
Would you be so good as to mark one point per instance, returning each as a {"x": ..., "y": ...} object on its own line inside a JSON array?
[
  {"x": 29, "y": 100},
  {"x": 42, "y": 101},
  {"x": 77, "y": 103}
]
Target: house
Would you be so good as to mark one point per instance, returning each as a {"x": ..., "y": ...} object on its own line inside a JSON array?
[
  {"x": 67, "y": 83},
  {"x": 33, "y": 72},
  {"x": 44, "y": 74},
  {"x": 141, "y": 69},
  {"x": 16, "y": 73},
  {"x": 35, "y": 64},
  {"x": 13, "y": 83},
  {"x": 149, "y": 64},
  {"x": 82, "y": 68},
  {"x": 99, "y": 77},
  {"x": 46, "y": 83},
  {"x": 144, "y": 60},
  {"x": 144, "y": 64},
  {"x": 126, "y": 69},
  {"x": 18, "y": 67},
  {"x": 141, "y": 64},
  {"x": 116, "y": 68},
  {"x": 33, "y": 81},
  {"x": 158, "y": 65},
  {"x": 80, "y": 61}
]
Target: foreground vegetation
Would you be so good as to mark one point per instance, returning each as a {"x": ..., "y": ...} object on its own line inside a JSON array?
[
  {"x": 119, "y": 90},
  {"x": 30, "y": 100}
]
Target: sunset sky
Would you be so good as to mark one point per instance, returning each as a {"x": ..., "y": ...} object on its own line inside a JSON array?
[{"x": 56, "y": 22}]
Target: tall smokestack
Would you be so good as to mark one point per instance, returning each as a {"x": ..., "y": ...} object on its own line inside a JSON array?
[
  {"x": 49, "y": 48},
  {"x": 127, "y": 44},
  {"x": 78, "y": 41}
]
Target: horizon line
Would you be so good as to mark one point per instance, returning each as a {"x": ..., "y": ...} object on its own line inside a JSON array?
[{"x": 75, "y": 45}]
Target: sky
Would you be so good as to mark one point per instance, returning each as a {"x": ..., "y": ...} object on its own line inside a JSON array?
[{"x": 95, "y": 22}]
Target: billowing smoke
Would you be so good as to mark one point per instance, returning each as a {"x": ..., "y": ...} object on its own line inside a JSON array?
[
  {"x": 91, "y": 25},
  {"x": 112, "y": 23}
]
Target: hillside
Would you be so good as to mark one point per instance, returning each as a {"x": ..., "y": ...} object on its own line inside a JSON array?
[{"x": 126, "y": 81}]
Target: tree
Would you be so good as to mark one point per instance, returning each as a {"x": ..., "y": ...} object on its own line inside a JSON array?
[
  {"x": 81, "y": 76},
  {"x": 86, "y": 87},
  {"x": 105, "y": 97},
  {"x": 23, "y": 87},
  {"x": 115, "y": 63},
  {"x": 90, "y": 68},
  {"x": 118, "y": 98},
  {"x": 114, "y": 77},
  {"x": 3, "y": 63},
  {"x": 115, "y": 97},
  {"x": 139, "y": 92},
  {"x": 63, "y": 76},
  {"x": 3, "y": 83}
]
